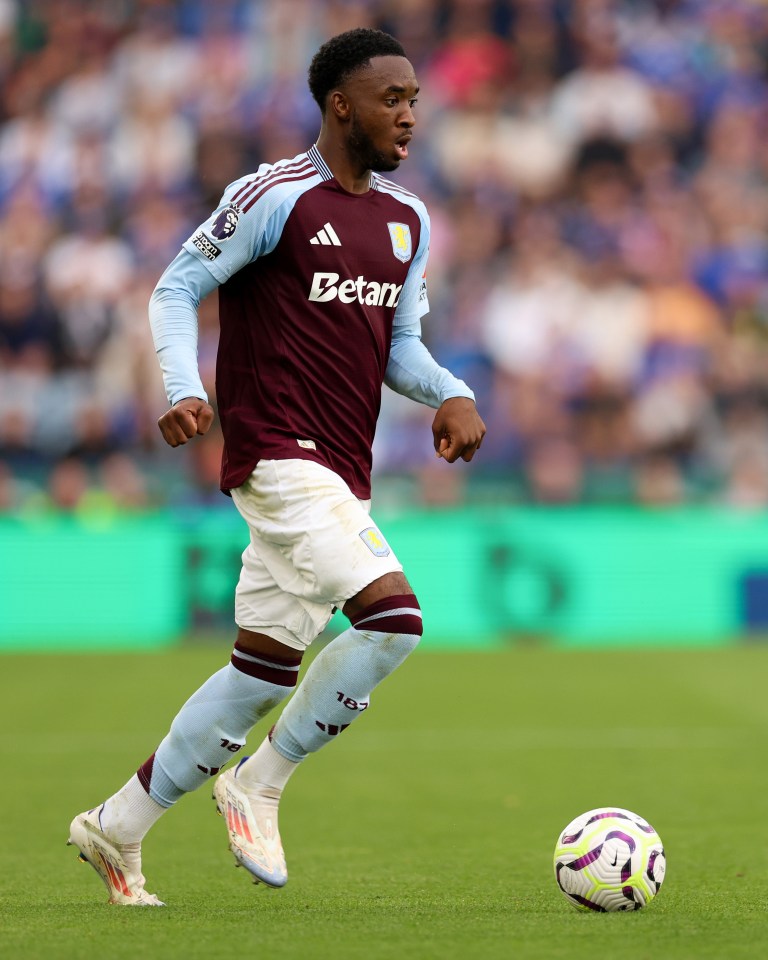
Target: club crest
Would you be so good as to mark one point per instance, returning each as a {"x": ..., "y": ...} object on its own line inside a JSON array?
[
  {"x": 373, "y": 539},
  {"x": 400, "y": 235}
]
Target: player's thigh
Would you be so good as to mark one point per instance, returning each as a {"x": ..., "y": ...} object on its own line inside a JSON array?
[
  {"x": 315, "y": 537},
  {"x": 262, "y": 606}
]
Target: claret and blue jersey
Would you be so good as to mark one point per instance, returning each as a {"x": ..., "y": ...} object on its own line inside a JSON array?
[{"x": 321, "y": 294}]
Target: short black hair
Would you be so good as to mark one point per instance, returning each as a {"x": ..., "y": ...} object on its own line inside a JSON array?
[{"x": 343, "y": 54}]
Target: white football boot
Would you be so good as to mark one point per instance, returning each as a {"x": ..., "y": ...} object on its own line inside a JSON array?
[
  {"x": 252, "y": 826},
  {"x": 118, "y": 864}
]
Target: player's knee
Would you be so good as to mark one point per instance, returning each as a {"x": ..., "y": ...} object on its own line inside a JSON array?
[
  {"x": 393, "y": 584},
  {"x": 262, "y": 645},
  {"x": 394, "y": 619}
]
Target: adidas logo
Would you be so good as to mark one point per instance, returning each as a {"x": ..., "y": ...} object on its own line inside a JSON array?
[{"x": 327, "y": 237}]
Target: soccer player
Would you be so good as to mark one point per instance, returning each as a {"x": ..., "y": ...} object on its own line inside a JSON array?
[{"x": 320, "y": 265}]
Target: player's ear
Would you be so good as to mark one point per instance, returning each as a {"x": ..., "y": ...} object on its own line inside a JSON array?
[{"x": 339, "y": 105}]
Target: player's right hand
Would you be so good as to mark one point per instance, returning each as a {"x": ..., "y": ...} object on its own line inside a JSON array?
[{"x": 185, "y": 419}]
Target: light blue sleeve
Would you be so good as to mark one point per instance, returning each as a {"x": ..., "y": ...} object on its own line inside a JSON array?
[
  {"x": 173, "y": 318},
  {"x": 247, "y": 224},
  {"x": 412, "y": 370},
  {"x": 250, "y": 218}
]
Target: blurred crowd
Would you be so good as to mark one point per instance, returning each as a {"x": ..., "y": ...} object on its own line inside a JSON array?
[{"x": 597, "y": 177}]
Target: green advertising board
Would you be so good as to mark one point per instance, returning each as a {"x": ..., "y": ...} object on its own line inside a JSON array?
[
  {"x": 484, "y": 577},
  {"x": 85, "y": 583}
]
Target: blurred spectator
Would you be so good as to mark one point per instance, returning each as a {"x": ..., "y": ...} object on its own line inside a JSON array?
[
  {"x": 659, "y": 482},
  {"x": 123, "y": 483},
  {"x": 746, "y": 486},
  {"x": 26, "y": 321},
  {"x": 526, "y": 319},
  {"x": 153, "y": 146},
  {"x": 554, "y": 472},
  {"x": 86, "y": 273},
  {"x": 68, "y": 486},
  {"x": 601, "y": 97}
]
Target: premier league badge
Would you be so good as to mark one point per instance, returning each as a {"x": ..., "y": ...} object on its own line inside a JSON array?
[
  {"x": 400, "y": 235},
  {"x": 225, "y": 223}
]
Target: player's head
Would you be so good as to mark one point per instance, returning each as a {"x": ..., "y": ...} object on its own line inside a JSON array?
[
  {"x": 364, "y": 84},
  {"x": 342, "y": 55}
]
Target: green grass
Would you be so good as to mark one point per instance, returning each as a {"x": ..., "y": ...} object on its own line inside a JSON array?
[{"x": 426, "y": 832}]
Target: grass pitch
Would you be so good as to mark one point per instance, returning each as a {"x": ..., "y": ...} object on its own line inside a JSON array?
[{"x": 426, "y": 832}]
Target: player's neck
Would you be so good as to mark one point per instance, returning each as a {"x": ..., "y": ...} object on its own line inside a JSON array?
[{"x": 345, "y": 171}]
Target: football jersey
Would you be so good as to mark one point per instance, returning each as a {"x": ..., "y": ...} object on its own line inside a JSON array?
[{"x": 312, "y": 279}]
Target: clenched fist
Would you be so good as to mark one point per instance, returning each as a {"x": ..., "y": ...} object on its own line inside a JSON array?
[
  {"x": 457, "y": 429},
  {"x": 185, "y": 419}
]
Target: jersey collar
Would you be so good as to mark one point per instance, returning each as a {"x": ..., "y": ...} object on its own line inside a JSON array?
[
  {"x": 320, "y": 165},
  {"x": 325, "y": 171}
]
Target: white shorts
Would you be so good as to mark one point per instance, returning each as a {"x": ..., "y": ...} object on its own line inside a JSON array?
[{"x": 313, "y": 546}]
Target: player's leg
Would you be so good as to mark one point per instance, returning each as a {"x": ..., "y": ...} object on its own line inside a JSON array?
[
  {"x": 271, "y": 617},
  {"x": 338, "y": 685},
  {"x": 213, "y": 724},
  {"x": 252, "y": 827},
  {"x": 336, "y": 689},
  {"x": 207, "y": 732}
]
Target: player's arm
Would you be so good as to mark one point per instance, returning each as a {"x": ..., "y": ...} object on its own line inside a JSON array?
[
  {"x": 173, "y": 318},
  {"x": 457, "y": 429},
  {"x": 221, "y": 246}
]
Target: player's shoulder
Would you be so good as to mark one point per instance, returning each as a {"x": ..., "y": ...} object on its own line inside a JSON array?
[
  {"x": 275, "y": 181},
  {"x": 400, "y": 194}
]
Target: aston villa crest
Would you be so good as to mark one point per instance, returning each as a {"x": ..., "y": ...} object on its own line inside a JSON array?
[
  {"x": 373, "y": 539},
  {"x": 400, "y": 235}
]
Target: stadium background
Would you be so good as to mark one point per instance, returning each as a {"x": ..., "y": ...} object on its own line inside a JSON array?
[{"x": 596, "y": 176}]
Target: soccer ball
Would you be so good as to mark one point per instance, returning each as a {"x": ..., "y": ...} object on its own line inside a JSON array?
[{"x": 609, "y": 859}]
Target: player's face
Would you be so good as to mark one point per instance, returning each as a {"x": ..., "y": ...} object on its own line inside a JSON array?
[{"x": 382, "y": 97}]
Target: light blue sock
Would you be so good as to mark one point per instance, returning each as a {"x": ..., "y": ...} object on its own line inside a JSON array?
[
  {"x": 337, "y": 686},
  {"x": 213, "y": 724}
]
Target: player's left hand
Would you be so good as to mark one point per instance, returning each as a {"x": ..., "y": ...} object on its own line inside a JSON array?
[{"x": 457, "y": 429}]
